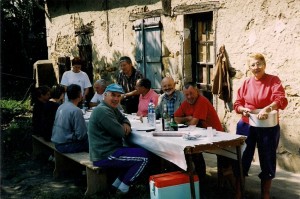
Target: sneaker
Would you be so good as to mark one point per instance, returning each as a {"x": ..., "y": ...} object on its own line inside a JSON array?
[{"x": 122, "y": 195}]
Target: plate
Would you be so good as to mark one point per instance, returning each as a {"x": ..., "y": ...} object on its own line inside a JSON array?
[{"x": 142, "y": 126}]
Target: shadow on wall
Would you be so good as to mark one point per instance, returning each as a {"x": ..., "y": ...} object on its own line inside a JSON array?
[
  {"x": 106, "y": 69},
  {"x": 58, "y": 8}
]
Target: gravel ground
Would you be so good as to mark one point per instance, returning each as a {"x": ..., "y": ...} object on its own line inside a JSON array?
[{"x": 24, "y": 178}]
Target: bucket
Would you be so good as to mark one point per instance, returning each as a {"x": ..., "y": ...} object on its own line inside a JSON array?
[{"x": 270, "y": 122}]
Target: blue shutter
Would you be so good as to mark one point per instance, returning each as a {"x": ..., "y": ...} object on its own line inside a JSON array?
[
  {"x": 139, "y": 47},
  {"x": 148, "y": 49},
  {"x": 153, "y": 51}
]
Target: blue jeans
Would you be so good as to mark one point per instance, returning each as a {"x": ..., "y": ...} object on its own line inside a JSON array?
[{"x": 73, "y": 147}]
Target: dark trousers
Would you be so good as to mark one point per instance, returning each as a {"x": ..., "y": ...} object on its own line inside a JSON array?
[
  {"x": 130, "y": 162},
  {"x": 267, "y": 140},
  {"x": 73, "y": 147}
]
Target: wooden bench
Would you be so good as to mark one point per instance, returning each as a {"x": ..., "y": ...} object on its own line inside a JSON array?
[{"x": 95, "y": 176}]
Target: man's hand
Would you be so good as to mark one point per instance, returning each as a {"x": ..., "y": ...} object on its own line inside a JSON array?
[{"x": 127, "y": 129}]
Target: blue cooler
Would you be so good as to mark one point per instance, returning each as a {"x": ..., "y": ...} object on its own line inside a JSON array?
[{"x": 173, "y": 185}]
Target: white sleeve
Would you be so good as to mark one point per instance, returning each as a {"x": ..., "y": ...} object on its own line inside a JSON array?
[
  {"x": 64, "y": 79},
  {"x": 87, "y": 82}
]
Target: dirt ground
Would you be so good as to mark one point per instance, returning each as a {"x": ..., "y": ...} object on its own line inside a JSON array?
[{"x": 25, "y": 178}]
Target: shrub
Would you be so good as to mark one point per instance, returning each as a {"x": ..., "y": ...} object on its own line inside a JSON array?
[
  {"x": 13, "y": 108},
  {"x": 15, "y": 126}
]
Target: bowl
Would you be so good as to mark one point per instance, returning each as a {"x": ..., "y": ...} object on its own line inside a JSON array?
[{"x": 270, "y": 122}]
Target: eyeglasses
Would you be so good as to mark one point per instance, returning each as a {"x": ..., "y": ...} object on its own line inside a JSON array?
[{"x": 258, "y": 64}]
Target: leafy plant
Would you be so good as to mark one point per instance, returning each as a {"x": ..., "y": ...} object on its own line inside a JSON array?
[
  {"x": 13, "y": 108},
  {"x": 15, "y": 126}
]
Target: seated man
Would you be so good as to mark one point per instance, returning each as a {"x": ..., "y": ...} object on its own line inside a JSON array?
[
  {"x": 171, "y": 97},
  {"x": 106, "y": 131},
  {"x": 99, "y": 86},
  {"x": 40, "y": 98},
  {"x": 197, "y": 110},
  {"x": 143, "y": 87},
  {"x": 69, "y": 133}
]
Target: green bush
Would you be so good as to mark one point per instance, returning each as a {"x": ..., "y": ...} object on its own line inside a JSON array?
[
  {"x": 15, "y": 126},
  {"x": 13, "y": 108}
]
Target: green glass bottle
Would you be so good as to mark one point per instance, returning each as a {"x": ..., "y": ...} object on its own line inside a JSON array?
[
  {"x": 173, "y": 124},
  {"x": 165, "y": 119}
]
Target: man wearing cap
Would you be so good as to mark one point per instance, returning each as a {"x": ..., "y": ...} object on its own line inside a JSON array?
[
  {"x": 106, "y": 131},
  {"x": 127, "y": 78},
  {"x": 99, "y": 86}
]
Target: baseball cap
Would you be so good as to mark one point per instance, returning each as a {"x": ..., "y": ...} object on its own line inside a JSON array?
[{"x": 114, "y": 88}]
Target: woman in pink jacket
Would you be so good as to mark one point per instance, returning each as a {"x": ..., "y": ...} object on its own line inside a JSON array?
[{"x": 265, "y": 92}]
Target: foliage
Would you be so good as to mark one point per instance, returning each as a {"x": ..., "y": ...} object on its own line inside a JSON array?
[
  {"x": 23, "y": 42},
  {"x": 13, "y": 108},
  {"x": 15, "y": 125}
]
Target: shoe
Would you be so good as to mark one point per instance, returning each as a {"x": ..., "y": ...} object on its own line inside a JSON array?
[
  {"x": 122, "y": 195},
  {"x": 112, "y": 190}
]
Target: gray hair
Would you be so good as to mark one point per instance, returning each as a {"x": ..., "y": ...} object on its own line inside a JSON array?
[{"x": 101, "y": 82}]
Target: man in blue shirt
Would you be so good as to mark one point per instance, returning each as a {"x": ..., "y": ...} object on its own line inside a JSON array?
[{"x": 69, "y": 132}]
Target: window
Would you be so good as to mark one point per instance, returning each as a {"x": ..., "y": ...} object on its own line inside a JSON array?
[{"x": 203, "y": 51}]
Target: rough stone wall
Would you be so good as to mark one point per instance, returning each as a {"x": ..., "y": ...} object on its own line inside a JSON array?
[{"x": 271, "y": 27}]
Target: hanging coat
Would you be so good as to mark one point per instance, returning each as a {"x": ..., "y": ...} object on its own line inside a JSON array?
[{"x": 221, "y": 80}]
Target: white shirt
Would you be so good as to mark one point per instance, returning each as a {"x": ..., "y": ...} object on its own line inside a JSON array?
[
  {"x": 97, "y": 98},
  {"x": 81, "y": 79}
]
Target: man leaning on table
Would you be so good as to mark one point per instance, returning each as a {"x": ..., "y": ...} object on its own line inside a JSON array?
[
  {"x": 197, "y": 110},
  {"x": 171, "y": 97},
  {"x": 106, "y": 131}
]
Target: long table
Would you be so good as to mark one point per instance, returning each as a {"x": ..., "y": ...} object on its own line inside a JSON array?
[{"x": 179, "y": 151}]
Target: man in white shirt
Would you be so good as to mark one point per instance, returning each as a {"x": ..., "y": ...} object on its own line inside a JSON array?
[
  {"x": 99, "y": 86},
  {"x": 76, "y": 76}
]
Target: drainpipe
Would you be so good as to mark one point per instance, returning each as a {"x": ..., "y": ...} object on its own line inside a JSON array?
[
  {"x": 107, "y": 22},
  {"x": 182, "y": 55}
]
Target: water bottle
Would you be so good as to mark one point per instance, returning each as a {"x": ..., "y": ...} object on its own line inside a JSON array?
[
  {"x": 151, "y": 114},
  {"x": 84, "y": 107}
]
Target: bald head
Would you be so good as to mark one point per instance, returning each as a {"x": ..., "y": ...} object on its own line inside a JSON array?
[{"x": 168, "y": 85}]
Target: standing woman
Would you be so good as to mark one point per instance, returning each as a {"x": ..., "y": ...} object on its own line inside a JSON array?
[{"x": 262, "y": 91}]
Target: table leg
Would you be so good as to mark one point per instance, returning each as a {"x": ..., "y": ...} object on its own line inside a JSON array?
[
  {"x": 190, "y": 170},
  {"x": 239, "y": 158}
]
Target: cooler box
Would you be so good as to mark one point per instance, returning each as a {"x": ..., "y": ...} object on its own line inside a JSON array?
[{"x": 173, "y": 185}]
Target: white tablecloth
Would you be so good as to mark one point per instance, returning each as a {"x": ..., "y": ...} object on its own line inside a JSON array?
[{"x": 172, "y": 148}]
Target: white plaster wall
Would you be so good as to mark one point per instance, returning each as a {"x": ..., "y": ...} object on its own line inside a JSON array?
[{"x": 271, "y": 27}]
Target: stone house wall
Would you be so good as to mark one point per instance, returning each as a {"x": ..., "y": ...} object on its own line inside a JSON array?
[{"x": 271, "y": 27}]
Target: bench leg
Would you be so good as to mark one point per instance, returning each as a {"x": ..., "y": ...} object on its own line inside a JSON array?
[
  {"x": 63, "y": 164},
  {"x": 38, "y": 148},
  {"x": 96, "y": 181}
]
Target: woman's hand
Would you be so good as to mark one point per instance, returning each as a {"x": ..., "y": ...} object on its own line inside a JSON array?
[
  {"x": 244, "y": 111},
  {"x": 263, "y": 114}
]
